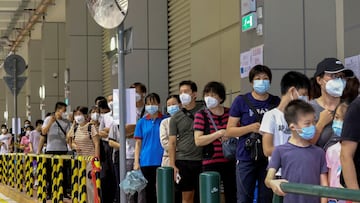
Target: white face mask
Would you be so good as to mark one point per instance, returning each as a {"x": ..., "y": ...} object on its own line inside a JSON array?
[
  {"x": 95, "y": 116},
  {"x": 79, "y": 119},
  {"x": 3, "y": 131},
  {"x": 110, "y": 104},
  {"x": 335, "y": 87},
  {"x": 185, "y": 98},
  {"x": 64, "y": 115},
  {"x": 137, "y": 97},
  {"x": 211, "y": 102}
]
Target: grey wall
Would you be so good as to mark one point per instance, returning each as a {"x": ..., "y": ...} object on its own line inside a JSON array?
[
  {"x": 53, "y": 62},
  {"x": 83, "y": 54},
  {"x": 148, "y": 63},
  {"x": 297, "y": 35},
  {"x": 352, "y": 27}
]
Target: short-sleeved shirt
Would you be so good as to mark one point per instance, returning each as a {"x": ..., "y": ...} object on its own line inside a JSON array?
[
  {"x": 274, "y": 123},
  {"x": 327, "y": 133},
  {"x": 84, "y": 139},
  {"x": 35, "y": 139},
  {"x": 221, "y": 123},
  {"x": 25, "y": 140},
  {"x": 181, "y": 126},
  {"x": 351, "y": 131},
  {"x": 299, "y": 165},
  {"x": 148, "y": 130},
  {"x": 334, "y": 165},
  {"x": 240, "y": 109},
  {"x": 106, "y": 122},
  {"x": 5, "y": 138},
  {"x": 56, "y": 139}
]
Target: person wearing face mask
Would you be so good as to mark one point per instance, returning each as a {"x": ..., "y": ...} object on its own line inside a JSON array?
[
  {"x": 55, "y": 128},
  {"x": 5, "y": 140},
  {"x": 173, "y": 104},
  {"x": 35, "y": 136},
  {"x": 148, "y": 150},
  {"x": 330, "y": 78},
  {"x": 274, "y": 128},
  {"x": 299, "y": 160},
  {"x": 251, "y": 169},
  {"x": 25, "y": 140},
  {"x": 185, "y": 157},
  {"x": 83, "y": 136},
  {"x": 209, "y": 130},
  {"x": 333, "y": 151}
]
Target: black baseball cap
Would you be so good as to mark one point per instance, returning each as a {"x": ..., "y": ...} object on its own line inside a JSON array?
[{"x": 332, "y": 65}]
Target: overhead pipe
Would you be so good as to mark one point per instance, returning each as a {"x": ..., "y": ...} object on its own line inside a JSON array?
[{"x": 32, "y": 21}]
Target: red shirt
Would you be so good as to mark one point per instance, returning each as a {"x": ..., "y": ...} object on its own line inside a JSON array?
[{"x": 221, "y": 123}]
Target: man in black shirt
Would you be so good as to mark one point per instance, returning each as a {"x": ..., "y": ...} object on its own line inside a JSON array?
[{"x": 350, "y": 148}]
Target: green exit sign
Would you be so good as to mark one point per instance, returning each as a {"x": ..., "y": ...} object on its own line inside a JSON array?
[{"x": 249, "y": 21}]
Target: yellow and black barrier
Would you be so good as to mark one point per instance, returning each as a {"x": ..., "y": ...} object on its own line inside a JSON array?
[{"x": 17, "y": 171}]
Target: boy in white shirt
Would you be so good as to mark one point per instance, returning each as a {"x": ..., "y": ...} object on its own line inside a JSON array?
[{"x": 274, "y": 128}]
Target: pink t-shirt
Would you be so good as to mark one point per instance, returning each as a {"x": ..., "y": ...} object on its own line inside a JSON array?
[
  {"x": 25, "y": 140},
  {"x": 334, "y": 165}
]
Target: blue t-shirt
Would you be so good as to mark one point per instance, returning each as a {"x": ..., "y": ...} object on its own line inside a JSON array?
[
  {"x": 299, "y": 165},
  {"x": 148, "y": 130},
  {"x": 240, "y": 109}
]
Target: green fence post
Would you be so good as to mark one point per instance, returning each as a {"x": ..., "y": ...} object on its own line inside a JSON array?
[
  {"x": 165, "y": 185},
  {"x": 277, "y": 199},
  {"x": 210, "y": 187}
]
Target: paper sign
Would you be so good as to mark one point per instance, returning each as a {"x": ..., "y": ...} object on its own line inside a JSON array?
[
  {"x": 130, "y": 106},
  {"x": 353, "y": 63},
  {"x": 245, "y": 64},
  {"x": 250, "y": 59},
  {"x": 257, "y": 56}
]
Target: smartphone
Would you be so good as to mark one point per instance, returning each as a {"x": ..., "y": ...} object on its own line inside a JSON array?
[{"x": 178, "y": 178}]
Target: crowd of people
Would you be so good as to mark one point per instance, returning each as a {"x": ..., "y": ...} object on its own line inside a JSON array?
[{"x": 297, "y": 137}]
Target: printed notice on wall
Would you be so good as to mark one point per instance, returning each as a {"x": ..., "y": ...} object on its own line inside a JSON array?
[
  {"x": 353, "y": 63},
  {"x": 245, "y": 64},
  {"x": 250, "y": 59},
  {"x": 130, "y": 106}
]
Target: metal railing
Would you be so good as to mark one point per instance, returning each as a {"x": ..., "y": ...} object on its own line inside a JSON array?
[
  {"x": 317, "y": 190},
  {"x": 23, "y": 178}
]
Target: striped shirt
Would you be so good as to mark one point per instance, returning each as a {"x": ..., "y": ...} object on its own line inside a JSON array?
[
  {"x": 221, "y": 123},
  {"x": 84, "y": 140}
]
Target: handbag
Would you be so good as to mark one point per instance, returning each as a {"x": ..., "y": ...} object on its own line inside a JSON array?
[
  {"x": 254, "y": 142},
  {"x": 228, "y": 146}
]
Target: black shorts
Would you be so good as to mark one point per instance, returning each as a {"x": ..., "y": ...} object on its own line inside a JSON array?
[{"x": 189, "y": 172}]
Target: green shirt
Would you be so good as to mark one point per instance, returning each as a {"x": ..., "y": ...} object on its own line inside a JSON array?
[{"x": 181, "y": 125}]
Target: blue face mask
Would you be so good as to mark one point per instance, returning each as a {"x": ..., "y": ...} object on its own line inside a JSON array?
[
  {"x": 173, "y": 109},
  {"x": 307, "y": 132},
  {"x": 261, "y": 86},
  {"x": 337, "y": 127},
  {"x": 151, "y": 109}
]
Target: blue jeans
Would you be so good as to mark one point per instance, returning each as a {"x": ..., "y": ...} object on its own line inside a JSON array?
[{"x": 247, "y": 173}]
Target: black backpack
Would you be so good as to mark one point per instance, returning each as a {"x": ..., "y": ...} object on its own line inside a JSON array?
[{"x": 89, "y": 130}]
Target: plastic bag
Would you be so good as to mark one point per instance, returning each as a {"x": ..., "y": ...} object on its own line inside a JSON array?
[{"x": 133, "y": 182}]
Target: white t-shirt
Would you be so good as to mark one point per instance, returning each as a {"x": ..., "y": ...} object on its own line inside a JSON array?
[
  {"x": 6, "y": 140},
  {"x": 274, "y": 123},
  {"x": 106, "y": 122}
]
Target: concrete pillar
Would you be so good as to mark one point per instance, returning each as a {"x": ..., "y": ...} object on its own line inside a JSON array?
[
  {"x": 83, "y": 54},
  {"x": 34, "y": 80},
  {"x": 53, "y": 63},
  {"x": 148, "y": 63}
]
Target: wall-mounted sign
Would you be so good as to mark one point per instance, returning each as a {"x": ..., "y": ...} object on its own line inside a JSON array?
[
  {"x": 247, "y": 6},
  {"x": 249, "y": 22}
]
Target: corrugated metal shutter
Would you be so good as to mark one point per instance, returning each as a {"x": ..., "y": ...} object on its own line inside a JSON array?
[
  {"x": 106, "y": 69},
  {"x": 179, "y": 43}
]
